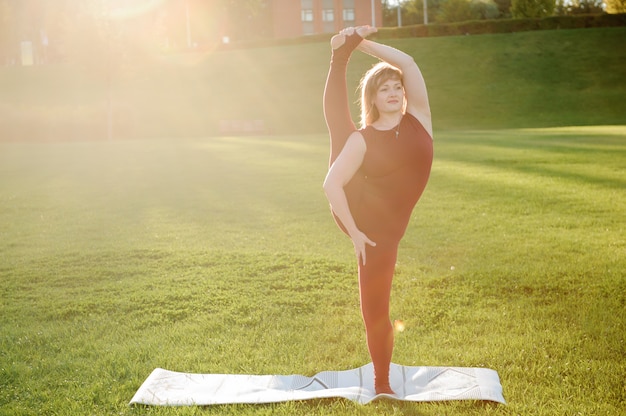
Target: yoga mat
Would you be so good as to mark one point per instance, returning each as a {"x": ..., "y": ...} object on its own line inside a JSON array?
[{"x": 418, "y": 384}]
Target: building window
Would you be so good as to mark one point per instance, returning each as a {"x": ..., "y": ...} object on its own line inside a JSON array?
[
  {"x": 307, "y": 10},
  {"x": 308, "y": 16},
  {"x": 348, "y": 11},
  {"x": 328, "y": 15}
]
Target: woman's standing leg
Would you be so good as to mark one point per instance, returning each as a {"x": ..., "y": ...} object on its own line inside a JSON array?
[{"x": 375, "y": 280}]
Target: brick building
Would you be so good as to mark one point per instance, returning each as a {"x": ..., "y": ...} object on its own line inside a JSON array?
[{"x": 292, "y": 18}]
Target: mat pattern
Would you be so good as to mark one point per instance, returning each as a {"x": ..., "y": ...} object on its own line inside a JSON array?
[{"x": 169, "y": 388}]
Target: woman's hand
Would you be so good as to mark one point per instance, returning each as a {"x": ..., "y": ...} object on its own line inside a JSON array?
[
  {"x": 363, "y": 31},
  {"x": 339, "y": 39},
  {"x": 360, "y": 240}
]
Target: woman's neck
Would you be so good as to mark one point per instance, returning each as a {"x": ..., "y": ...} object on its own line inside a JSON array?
[{"x": 387, "y": 121}]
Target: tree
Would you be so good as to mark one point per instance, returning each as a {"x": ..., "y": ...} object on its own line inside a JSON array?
[
  {"x": 28, "y": 20},
  {"x": 455, "y": 11},
  {"x": 484, "y": 9},
  {"x": 390, "y": 13},
  {"x": 7, "y": 33},
  {"x": 464, "y": 10},
  {"x": 249, "y": 19},
  {"x": 532, "y": 8},
  {"x": 571, "y": 7},
  {"x": 615, "y": 6},
  {"x": 235, "y": 19},
  {"x": 504, "y": 8},
  {"x": 415, "y": 11}
]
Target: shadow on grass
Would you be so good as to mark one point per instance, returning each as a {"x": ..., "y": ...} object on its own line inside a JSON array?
[{"x": 563, "y": 153}]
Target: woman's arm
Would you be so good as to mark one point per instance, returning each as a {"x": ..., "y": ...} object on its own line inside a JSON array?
[
  {"x": 339, "y": 174},
  {"x": 414, "y": 84}
]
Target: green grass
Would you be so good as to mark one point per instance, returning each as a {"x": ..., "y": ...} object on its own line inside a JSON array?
[
  {"x": 219, "y": 255},
  {"x": 518, "y": 80}
]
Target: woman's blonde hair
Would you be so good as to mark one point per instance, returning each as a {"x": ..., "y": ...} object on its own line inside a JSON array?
[{"x": 371, "y": 81}]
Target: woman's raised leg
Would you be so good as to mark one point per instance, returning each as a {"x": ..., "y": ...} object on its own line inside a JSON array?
[{"x": 336, "y": 105}]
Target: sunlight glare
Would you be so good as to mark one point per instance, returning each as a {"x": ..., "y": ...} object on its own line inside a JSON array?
[
  {"x": 398, "y": 325},
  {"x": 126, "y": 9}
]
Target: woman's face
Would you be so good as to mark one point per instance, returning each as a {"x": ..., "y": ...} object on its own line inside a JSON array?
[{"x": 390, "y": 96}]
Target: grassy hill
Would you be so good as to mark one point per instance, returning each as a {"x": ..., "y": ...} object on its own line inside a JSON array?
[{"x": 530, "y": 79}]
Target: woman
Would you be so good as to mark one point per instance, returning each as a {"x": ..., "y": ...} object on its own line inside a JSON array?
[{"x": 377, "y": 173}]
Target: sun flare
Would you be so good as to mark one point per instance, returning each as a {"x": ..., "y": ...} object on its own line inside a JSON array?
[{"x": 120, "y": 10}]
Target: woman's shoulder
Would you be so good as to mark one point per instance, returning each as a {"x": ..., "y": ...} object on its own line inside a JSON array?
[
  {"x": 419, "y": 123},
  {"x": 368, "y": 132}
]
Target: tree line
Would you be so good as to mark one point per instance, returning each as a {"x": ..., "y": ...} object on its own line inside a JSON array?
[
  {"x": 413, "y": 12},
  {"x": 93, "y": 30}
]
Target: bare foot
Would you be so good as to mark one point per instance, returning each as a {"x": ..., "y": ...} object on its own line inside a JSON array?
[
  {"x": 339, "y": 39},
  {"x": 365, "y": 31}
]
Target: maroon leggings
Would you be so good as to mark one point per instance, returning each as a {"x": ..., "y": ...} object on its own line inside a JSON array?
[{"x": 375, "y": 278}]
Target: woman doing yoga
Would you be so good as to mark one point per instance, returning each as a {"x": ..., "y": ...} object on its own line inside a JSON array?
[{"x": 377, "y": 173}]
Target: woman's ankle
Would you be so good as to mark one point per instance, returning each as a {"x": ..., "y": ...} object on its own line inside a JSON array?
[
  {"x": 384, "y": 388},
  {"x": 337, "y": 41},
  {"x": 343, "y": 45}
]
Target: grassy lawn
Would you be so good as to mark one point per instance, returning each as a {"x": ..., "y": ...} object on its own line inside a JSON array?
[{"x": 219, "y": 255}]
